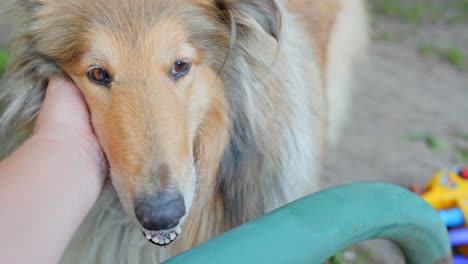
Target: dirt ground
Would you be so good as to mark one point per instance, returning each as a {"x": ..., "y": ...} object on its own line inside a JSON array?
[
  {"x": 411, "y": 86},
  {"x": 400, "y": 91},
  {"x": 410, "y": 102}
]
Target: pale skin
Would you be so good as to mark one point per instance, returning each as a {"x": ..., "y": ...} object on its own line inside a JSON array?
[{"x": 49, "y": 184}]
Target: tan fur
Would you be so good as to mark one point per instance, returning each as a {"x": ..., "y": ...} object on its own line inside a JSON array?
[
  {"x": 135, "y": 147},
  {"x": 204, "y": 220},
  {"x": 242, "y": 134},
  {"x": 318, "y": 19}
]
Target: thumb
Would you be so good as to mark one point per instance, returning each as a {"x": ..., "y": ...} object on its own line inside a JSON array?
[
  {"x": 63, "y": 106},
  {"x": 62, "y": 94}
]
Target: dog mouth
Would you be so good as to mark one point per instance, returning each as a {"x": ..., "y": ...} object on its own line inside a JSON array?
[{"x": 163, "y": 237}]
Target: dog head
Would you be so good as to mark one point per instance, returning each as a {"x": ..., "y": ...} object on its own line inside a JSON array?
[{"x": 151, "y": 72}]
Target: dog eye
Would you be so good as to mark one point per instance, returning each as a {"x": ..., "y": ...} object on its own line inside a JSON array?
[
  {"x": 180, "y": 68},
  {"x": 99, "y": 76}
]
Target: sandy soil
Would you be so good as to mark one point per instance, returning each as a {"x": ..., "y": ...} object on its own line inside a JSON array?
[{"x": 399, "y": 90}]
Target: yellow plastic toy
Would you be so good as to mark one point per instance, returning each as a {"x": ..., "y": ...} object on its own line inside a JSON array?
[{"x": 448, "y": 189}]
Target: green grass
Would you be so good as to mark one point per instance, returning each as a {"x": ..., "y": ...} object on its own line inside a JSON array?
[
  {"x": 433, "y": 142},
  {"x": 461, "y": 152},
  {"x": 463, "y": 136},
  {"x": 413, "y": 14},
  {"x": 4, "y": 55},
  {"x": 464, "y": 8},
  {"x": 361, "y": 255},
  {"x": 461, "y": 155},
  {"x": 390, "y": 36},
  {"x": 406, "y": 13},
  {"x": 427, "y": 50},
  {"x": 455, "y": 143},
  {"x": 456, "y": 57},
  {"x": 451, "y": 11},
  {"x": 453, "y": 55},
  {"x": 338, "y": 259},
  {"x": 437, "y": 143}
]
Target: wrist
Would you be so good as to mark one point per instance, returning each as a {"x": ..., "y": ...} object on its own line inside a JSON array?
[{"x": 48, "y": 186}]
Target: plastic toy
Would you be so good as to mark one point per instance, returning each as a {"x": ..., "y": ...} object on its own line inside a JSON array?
[
  {"x": 448, "y": 189},
  {"x": 457, "y": 259},
  {"x": 459, "y": 237},
  {"x": 452, "y": 217},
  {"x": 314, "y": 228}
]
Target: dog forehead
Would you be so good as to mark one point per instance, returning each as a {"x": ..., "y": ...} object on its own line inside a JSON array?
[
  {"x": 154, "y": 32},
  {"x": 123, "y": 14},
  {"x": 158, "y": 46},
  {"x": 139, "y": 23}
]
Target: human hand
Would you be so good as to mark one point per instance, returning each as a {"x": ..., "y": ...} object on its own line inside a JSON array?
[
  {"x": 64, "y": 122},
  {"x": 51, "y": 182},
  {"x": 64, "y": 115}
]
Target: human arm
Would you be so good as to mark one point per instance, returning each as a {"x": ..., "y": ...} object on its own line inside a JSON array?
[{"x": 48, "y": 185}]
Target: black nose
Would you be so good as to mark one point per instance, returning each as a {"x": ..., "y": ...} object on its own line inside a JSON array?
[{"x": 160, "y": 212}]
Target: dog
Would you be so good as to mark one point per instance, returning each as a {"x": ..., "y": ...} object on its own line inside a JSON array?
[{"x": 210, "y": 112}]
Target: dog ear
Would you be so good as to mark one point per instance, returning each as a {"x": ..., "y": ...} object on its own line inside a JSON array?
[
  {"x": 21, "y": 92},
  {"x": 31, "y": 5},
  {"x": 265, "y": 12}
]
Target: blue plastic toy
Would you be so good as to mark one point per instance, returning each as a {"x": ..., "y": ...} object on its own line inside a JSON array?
[{"x": 452, "y": 217}]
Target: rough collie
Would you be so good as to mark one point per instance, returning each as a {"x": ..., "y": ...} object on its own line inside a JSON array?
[{"x": 210, "y": 112}]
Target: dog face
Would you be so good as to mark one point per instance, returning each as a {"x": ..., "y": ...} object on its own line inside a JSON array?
[
  {"x": 148, "y": 90},
  {"x": 149, "y": 73},
  {"x": 148, "y": 94}
]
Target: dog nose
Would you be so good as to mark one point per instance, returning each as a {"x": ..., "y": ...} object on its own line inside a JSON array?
[{"x": 160, "y": 212}]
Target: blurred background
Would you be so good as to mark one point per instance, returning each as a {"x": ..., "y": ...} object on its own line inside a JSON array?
[
  {"x": 410, "y": 104},
  {"x": 409, "y": 116}
]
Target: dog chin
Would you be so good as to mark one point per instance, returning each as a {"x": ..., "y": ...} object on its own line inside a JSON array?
[{"x": 163, "y": 237}]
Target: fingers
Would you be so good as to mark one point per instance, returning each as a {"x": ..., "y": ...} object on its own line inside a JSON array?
[
  {"x": 63, "y": 94},
  {"x": 55, "y": 83},
  {"x": 63, "y": 107}
]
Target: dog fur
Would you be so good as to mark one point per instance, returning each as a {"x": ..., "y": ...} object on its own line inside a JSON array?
[{"x": 241, "y": 135}]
